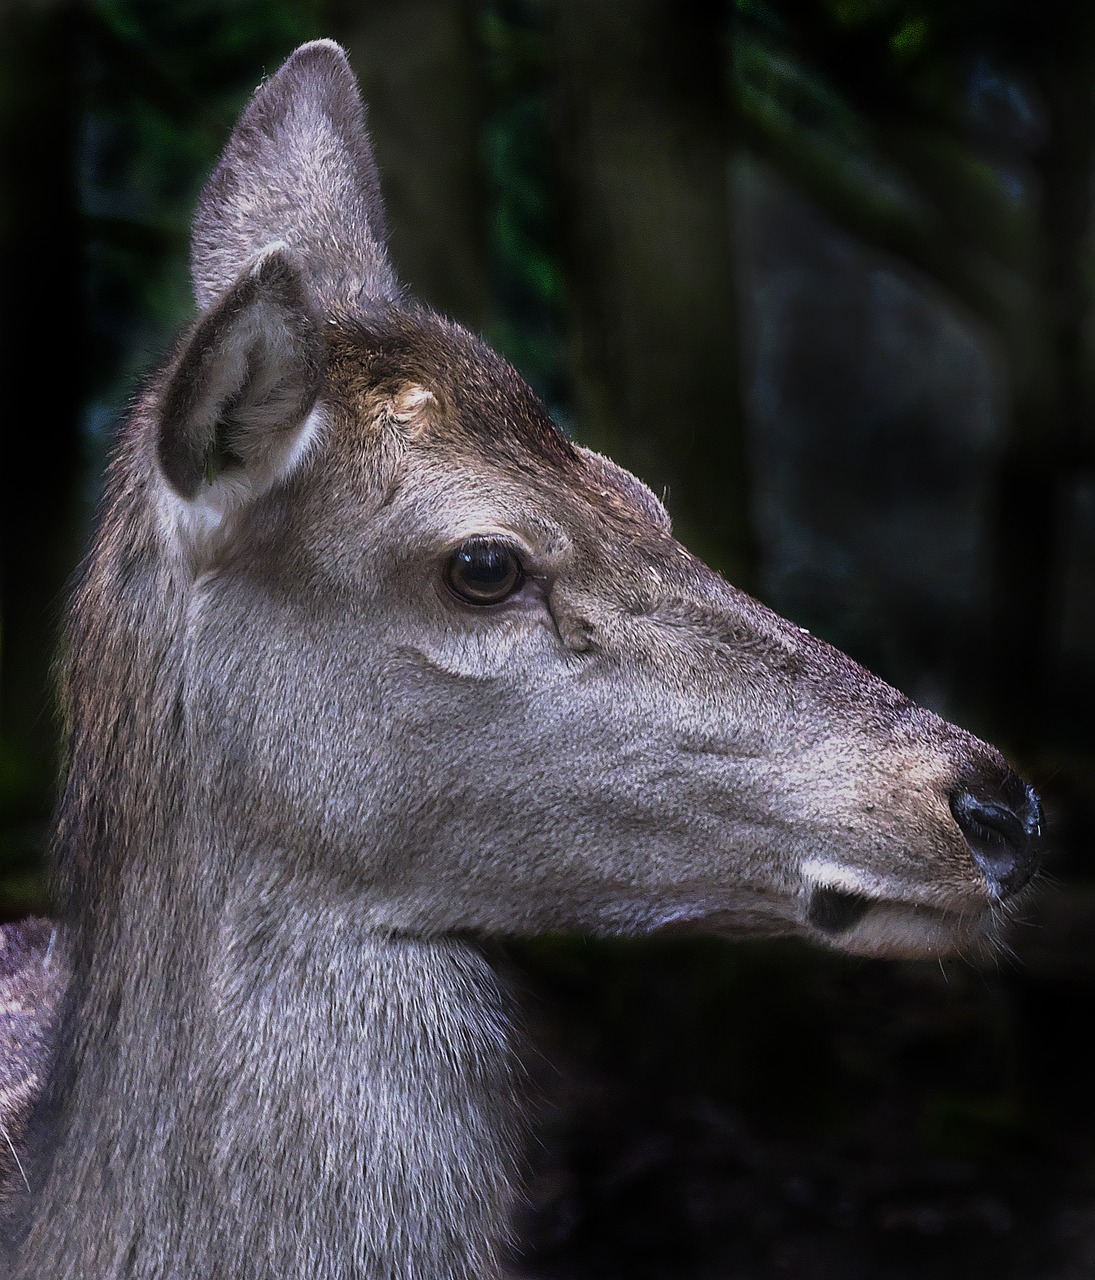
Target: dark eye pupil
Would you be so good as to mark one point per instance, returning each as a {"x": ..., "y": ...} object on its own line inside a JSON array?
[{"x": 484, "y": 572}]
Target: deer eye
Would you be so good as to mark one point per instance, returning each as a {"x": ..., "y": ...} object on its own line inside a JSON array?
[{"x": 484, "y": 571}]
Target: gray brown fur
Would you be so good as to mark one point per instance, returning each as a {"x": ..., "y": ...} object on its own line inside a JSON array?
[
  {"x": 32, "y": 980},
  {"x": 301, "y": 777},
  {"x": 310, "y": 113}
]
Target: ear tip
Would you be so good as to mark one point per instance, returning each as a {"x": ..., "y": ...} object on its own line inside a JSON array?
[
  {"x": 276, "y": 256},
  {"x": 324, "y": 46},
  {"x": 276, "y": 264},
  {"x": 325, "y": 57},
  {"x": 278, "y": 267},
  {"x": 317, "y": 74}
]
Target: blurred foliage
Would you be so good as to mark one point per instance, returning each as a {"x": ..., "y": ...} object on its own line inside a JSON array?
[
  {"x": 873, "y": 111},
  {"x": 529, "y": 281}
]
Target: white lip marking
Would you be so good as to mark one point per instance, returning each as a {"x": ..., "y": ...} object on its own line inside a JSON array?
[{"x": 831, "y": 875}]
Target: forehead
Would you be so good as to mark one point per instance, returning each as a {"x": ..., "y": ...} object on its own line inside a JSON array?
[
  {"x": 485, "y": 406},
  {"x": 481, "y": 418}
]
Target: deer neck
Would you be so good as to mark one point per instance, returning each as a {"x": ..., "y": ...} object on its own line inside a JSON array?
[{"x": 279, "y": 1091}]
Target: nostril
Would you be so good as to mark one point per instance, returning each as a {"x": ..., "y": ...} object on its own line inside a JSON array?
[{"x": 1001, "y": 826}]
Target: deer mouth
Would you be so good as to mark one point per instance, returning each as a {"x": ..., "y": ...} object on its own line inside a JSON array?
[
  {"x": 863, "y": 925},
  {"x": 834, "y": 911}
]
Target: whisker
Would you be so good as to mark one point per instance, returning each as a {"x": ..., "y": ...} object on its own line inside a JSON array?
[{"x": 14, "y": 1155}]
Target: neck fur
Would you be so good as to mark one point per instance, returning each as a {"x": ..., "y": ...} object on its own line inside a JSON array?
[{"x": 279, "y": 1092}]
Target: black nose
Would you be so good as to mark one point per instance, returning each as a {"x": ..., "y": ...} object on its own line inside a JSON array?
[{"x": 1002, "y": 824}]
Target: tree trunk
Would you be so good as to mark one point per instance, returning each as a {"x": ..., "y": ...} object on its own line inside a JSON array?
[
  {"x": 419, "y": 70},
  {"x": 643, "y": 146}
]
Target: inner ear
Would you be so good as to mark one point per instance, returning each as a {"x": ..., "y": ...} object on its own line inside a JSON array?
[{"x": 245, "y": 381}]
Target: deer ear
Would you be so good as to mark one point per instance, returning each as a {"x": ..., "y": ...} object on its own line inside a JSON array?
[
  {"x": 298, "y": 169},
  {"x": 235, "y": 408}
]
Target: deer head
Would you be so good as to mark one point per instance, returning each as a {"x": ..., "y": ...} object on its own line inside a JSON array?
[{"x": 424, "y": 644}]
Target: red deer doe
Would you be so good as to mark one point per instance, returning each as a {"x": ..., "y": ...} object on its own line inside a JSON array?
[{"x": 369, "y": 661}]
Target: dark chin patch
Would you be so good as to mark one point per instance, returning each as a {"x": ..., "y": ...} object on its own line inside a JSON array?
[{"x": 834, "y": 910}]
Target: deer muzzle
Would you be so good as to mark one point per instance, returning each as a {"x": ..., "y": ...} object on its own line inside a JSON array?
[{"x": 1000, "y": 820}]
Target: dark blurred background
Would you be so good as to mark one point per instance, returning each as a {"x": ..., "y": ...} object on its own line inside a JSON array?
[{"x": 822, "y": 272}]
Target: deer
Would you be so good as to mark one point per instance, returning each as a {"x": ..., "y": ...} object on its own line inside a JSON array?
[{"x": 369, "y": 664}]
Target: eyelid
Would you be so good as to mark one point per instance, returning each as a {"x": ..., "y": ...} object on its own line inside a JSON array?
[
  {"x": 503, "y": 536},
  {"x": 526, "y": 558}
]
